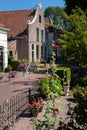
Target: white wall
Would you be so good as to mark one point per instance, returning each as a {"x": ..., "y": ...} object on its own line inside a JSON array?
[{"x": 3, "y": 43}]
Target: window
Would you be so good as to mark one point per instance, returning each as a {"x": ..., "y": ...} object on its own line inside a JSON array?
[
  {"x": 37, "y": 51},
  {"x": 41, "y": 51},
  {"x": 32, "y": 56},
  {"x": 10, "y": 53},
  {"x": 39, "y": 18},
  {"x": 37, "y": 34},
  {"x": 32, "y": 52},
  {"x": 45, "y": 51},
  {"x": 32, "y": 46},
  {"x": 42, "y": 36}
]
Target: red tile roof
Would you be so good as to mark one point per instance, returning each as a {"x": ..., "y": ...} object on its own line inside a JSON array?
[
  {"x": 16, "y": 21},
  {"x": 2, "y": 26}
]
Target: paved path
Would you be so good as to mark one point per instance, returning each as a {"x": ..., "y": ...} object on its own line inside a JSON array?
[
  {"x": 21, "y": 82},
  {"x": 17, "y": 84},
  {"x": 25, "y": 122}
]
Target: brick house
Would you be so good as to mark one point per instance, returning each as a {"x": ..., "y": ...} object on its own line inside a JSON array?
[
  {"x": 26, "y": 36},
  {"x": 3, "y": 46}
]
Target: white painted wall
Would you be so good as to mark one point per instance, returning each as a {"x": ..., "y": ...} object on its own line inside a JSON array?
[{"x": 3, "y": 43}]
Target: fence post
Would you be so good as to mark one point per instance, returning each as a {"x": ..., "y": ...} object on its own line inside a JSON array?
[
  {"x": 1, "y": 119},
  {"x": 29, "y": 95}
]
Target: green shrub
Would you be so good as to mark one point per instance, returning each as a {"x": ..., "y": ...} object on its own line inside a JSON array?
[
  {"x": 80, "y": 111},
  {"x": 44, "y": 86},
  {"x": 24, "y": 61},
  {"x": 50, "y": 85},
  {"x": 76, "y": 118},
  {"x": 80, "y": 97},
  {"x": 78, "y": 80},
  {"x": 9, "y": 68},
  {"x": 75, "y": 80},
  {"x": 65, "y": 74},
  {"x": 83, "y": 81},
  {"x": 10, "y": 59},
  {"x": 15, "y": 64}
]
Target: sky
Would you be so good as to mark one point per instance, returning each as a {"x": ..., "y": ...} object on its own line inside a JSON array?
[{"x": 8, "y": 5}]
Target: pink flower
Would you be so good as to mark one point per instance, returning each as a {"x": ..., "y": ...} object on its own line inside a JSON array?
[
  {"x": 21, "y": 67},
  {"x": 36, "y": 104}
]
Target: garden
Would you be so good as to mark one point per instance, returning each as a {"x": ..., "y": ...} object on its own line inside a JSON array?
[
  {"x": 51, "y": 88},
  {"x": 59, "y": 81},
  {"x": 64, "y": 80}
]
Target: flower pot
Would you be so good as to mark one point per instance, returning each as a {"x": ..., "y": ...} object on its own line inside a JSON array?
[
  {"x": 34, "y": 112},
  {"x": 66, "y": 89},
  {"x": 41, "y": 108}
]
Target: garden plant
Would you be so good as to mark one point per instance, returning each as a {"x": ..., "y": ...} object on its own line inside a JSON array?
[
  {"x": 77, "y": 115},
  {"x": 53, "y": 88}
]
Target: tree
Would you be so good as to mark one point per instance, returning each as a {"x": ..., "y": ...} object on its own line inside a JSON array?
[
  {"x": 74, "y": 39},
  {"x": 55, "y": 14},
  {"x": 71, "y": 4}
]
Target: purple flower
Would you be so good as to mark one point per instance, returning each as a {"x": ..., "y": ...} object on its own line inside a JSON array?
[{"x": 12, "y": 74}]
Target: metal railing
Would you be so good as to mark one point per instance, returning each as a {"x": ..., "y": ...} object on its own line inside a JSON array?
[{"x": 14, "y": 107}]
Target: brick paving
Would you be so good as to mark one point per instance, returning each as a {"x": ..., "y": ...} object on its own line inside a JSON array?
[
  {"x": 25, "y": 122},
  {"x": 19, "y": 83}
]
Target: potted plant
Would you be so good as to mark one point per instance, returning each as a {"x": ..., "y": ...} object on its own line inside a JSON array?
[
  {"x": 36, "y": 106},
  {"x": 50, "y": 84},
  {"x": 66, "y": 88},
  {"x": 53, "y": 88},
  {"x": 12, "y": 74},
  {"x": 44, "y": 87}
]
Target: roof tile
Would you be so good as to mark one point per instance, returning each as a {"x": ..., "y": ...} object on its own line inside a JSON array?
[{"x": 16, "y": 20}]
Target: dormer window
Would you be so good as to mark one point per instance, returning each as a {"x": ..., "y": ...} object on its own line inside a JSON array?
[{"x": 40, "y": 19}]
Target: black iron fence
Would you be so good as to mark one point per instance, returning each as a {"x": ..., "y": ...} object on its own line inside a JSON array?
[{"x": 14, "y": 107}]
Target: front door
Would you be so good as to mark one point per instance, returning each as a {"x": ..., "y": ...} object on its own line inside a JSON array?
[{"x": 1, "y": 57}]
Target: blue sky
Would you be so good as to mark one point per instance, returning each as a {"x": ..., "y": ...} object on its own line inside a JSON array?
[{"x": 7, "y": 5}]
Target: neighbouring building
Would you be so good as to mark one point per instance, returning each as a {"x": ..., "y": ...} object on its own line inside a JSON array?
[
  {"x": 52, "y": 34},
  {"x": 26, "y": 36},
  {"x": 3, "y": 47},
  {"x": 30, "y": 35}
]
